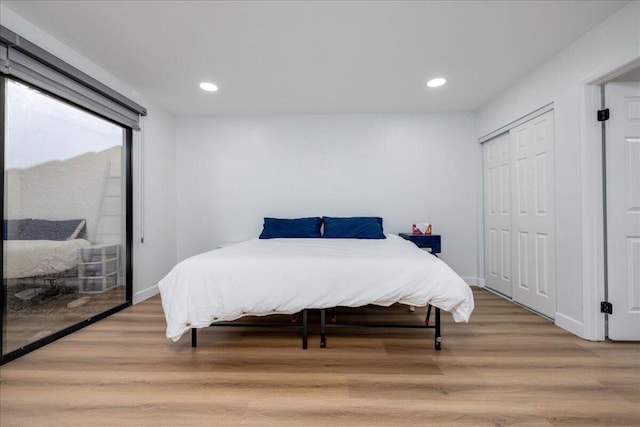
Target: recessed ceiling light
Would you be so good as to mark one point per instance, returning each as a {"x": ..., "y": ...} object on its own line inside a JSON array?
[
  {"x": 209, "y": 87},
  {"x": 437, "y": 82}
]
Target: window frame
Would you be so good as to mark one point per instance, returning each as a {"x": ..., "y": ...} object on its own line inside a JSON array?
[{"x": 128, "y": 238}]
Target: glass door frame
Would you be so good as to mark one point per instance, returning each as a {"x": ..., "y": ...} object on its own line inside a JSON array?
[{"x": 128, "y": 259}]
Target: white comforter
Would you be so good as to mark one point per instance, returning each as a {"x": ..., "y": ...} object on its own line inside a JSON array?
[
  {"x": 30, "y": 258},
  {"x": 261, "y": 277}
]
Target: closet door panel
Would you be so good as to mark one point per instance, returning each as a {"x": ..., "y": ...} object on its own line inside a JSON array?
[
  {"x": 497, "y": 212},
  {"x": 533, "y": 215}
]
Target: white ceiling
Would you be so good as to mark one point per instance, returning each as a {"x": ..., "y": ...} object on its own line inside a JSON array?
[{"x": 317, "y": 56}]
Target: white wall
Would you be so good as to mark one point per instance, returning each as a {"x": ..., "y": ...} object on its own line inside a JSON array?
[
  {"x": 153, "y": 259},
  {"x": 69, "y": 189},
  {"x": 233, "y": 171},
  {"x": 561, "y": 80}
]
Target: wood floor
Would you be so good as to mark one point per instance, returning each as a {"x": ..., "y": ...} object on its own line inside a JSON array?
[{"x": 506, "y": 367}]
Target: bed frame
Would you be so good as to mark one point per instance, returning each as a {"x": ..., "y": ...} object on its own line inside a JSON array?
[
  {"x": 433, "y": 244},
  {"x": 293, "y": 324},
  {"x": 50, "y": 282},
  {"x": 334, "y": 323}
]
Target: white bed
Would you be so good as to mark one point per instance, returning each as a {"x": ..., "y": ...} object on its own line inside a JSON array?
[
  {"x": 262, "y": 277},
  {"x": 40, "y": 247},
  {"x": 33, "y": 258}
]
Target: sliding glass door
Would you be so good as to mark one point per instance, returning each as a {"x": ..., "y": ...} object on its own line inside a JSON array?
[{"x": 66, "y": 217}]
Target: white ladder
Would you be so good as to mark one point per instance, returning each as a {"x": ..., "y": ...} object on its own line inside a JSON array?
[{"x": 108, "y": 224}]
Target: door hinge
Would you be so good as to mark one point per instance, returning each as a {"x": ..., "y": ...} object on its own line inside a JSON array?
[
  {"x": 606, "y": 307},
  {"x": 603, "y": 115}
]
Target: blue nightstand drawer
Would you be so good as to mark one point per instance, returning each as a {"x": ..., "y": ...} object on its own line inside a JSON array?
[{"x": 430, "y": 241}]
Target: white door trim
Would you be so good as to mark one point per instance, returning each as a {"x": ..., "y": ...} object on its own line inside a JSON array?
[
  {"x": 592, "y": 207},
  {"x": 592, "y": 217}
]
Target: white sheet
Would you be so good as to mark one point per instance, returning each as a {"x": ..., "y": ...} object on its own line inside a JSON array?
[
  {"x": 260, "y": 277},
  {"x": 29, "y": 258}
]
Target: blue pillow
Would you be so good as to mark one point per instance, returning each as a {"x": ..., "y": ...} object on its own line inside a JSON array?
[
  {"x": 357, "y": 227},
  {"x": 13, "y": 228},
  {"x": 42, "y": 229},
  {"x": 275, "y": 228}
]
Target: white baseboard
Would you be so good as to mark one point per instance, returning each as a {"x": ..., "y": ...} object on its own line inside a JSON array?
[
  {"x": 145, "y": 294},
  {"x": 474, "y": 281},
  {"x": 569, "y": 324}
]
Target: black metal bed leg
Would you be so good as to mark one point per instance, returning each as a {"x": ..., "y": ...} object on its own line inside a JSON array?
[
  {"x": 438, "y": 336},
  {"x": 426, "y": 320},
  {"x": 323, "y": 333},
  {"x": 304, "y": 329},
  {"x": 194, "y": 337}
]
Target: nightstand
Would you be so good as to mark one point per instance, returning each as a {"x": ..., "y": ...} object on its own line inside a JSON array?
[{"x": 427, "y": 241}]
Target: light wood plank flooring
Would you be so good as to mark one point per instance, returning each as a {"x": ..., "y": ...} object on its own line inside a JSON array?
[{"x": 506, "y": 367}]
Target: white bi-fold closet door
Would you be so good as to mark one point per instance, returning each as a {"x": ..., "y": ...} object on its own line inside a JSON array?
[
  {"x": 497, "y": 213},
  {"x": 519, "y": 199}
]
